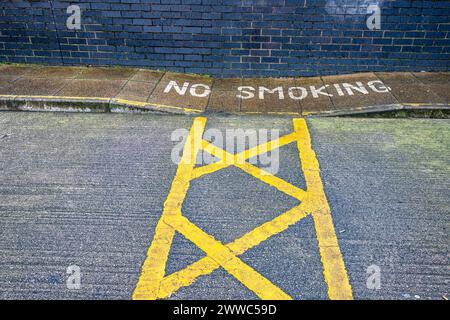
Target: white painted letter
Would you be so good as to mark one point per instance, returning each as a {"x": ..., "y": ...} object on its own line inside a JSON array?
[
  {"x": 264, "y": 89},
  {"x": 206, "y": 92},
  {"x": 174, "y": 84},
  {"x": 360, "y": 88},
  {"x": 294, "y": 97},
  {"x": 315, "y": 92},
  {"x": 249, "y": 94},
  {"x": 339, "y": 90},
  {"x": 381, "y": 89}
]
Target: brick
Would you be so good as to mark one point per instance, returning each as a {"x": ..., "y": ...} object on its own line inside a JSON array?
[{"x": 189, "y": 35}]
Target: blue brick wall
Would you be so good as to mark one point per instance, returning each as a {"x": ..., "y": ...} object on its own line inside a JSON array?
[{"x": 231, "y": 37}]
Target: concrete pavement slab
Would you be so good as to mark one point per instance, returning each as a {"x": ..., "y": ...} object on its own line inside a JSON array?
[
  {"x": 224, "y": 101},
  {"x": 148, "y": 76},
  {"x": 231, "y": 84},
  {"x": 224, "y": 96},
  {"x": 6, "y": 88},
  {"x": 315, "y": 104},
  {"x": 269, "y": 96},
  {"x": 6, "y": 80},
  {"x": 183, "y": 90},
  {"x": 433, "y": 77},
  {"x": 397, "y": 77},
  {"x": 354, "y": 91},
  {"x": 136, "y": 91},
  {"x": 406, "y": 88},
  {"x": 114, "y": 73},
  {"x": 17, "y": 70},
  {"x": 38, "y": 87},
  {"x": 412, "y": 93},
  {"x": 441, "y": 90},
  {"x": 92, "y": 88},
  {"x": 56, "y": 72},
  {"x": 438, "y": 83}
]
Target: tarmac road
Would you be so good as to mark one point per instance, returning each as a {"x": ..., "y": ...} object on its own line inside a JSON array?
[{"x": 89, "y": 189}]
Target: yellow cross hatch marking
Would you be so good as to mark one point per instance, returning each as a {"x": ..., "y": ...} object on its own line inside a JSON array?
[{"x": 154, "y": 284}]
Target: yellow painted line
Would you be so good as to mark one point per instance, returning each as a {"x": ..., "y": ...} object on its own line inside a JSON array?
[
  {"x": 333, "y": 264},
  {"x": 137, "y": 104},
  {"x": 273, "y": 181},
  {"x": 256, "y": 172},
  {"x": 130, "y": 103},
  {"x": 419, "y": 104},
  {"x": 226, "y": 259},
  {"x": 7, "y": 96},
  {"x": 282, "y": 113},
  {"x": 244, "y": 155},
  {"x": 153, "y": 269},
  {"x": 164, "y": 106},
  {"x": 206, "y": 265},
  {"x": 141, "y": 104},
  {"x": 279, "y": 113},
  {"x": 268, "y": 146},
  {"x": 153, "y": 283},
  {"x": 157, "y": 106},
  {"x": 154, "y": 266}
]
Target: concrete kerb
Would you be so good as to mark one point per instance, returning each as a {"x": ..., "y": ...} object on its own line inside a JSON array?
[
  {"x": 115, "y": 105},
  {"x": 84, "y": 104},
  {"x": 57, "y": 104},
  {"x": 379, "y": 109},
  {"x": 7, "y": 102}
]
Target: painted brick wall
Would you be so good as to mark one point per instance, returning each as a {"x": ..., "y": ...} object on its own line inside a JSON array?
[{"x": 231, "y": 37}]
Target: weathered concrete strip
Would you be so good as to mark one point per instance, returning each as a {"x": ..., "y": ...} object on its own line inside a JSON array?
[
  {"x": 84, "y": 104},
  {"x": 382, "y": 108}
]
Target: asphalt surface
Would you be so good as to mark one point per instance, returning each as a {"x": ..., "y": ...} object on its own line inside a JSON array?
[{"x": 88, "y": 190}]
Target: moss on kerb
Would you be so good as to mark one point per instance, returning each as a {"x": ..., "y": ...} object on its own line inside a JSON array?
[{"x": 406, "y": 113}]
